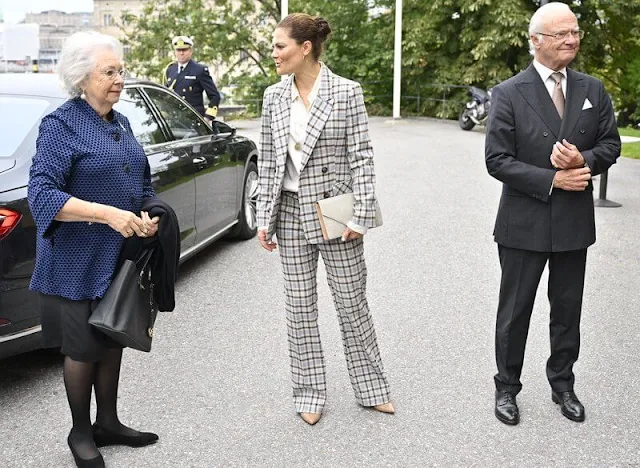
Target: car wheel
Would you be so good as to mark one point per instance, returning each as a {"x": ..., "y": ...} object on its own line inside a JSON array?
[
  {"x": 247, "y": 219},
  {"x": 464, "y": 121}
]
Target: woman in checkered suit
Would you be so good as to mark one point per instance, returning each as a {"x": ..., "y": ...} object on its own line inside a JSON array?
[{"x": 314, "y": 144}]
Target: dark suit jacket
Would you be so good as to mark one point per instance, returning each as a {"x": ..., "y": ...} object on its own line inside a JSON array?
[
  {"x": 523, "y": 126},
  {"x": 191, "y": 83}
]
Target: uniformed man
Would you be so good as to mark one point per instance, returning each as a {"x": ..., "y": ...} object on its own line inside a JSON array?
[{"x": 189, "y": 79}]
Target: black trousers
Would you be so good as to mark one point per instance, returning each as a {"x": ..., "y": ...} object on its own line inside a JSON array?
[{"x": 521, "y": 272}]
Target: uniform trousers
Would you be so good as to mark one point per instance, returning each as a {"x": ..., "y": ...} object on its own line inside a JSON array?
[{"x": 346, "y": 275}]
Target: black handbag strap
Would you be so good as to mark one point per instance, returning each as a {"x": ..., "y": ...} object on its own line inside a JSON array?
[{"x": 144, "y": 258}]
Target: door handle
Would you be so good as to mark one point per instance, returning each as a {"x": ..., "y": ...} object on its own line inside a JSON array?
[{"x": 199, "y": 161}]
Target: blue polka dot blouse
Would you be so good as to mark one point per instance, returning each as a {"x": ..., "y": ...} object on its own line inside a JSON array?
[{"x": 79, "y": 154}]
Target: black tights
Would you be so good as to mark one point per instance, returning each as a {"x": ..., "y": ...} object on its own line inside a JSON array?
[{"x": 79, "y": 378}]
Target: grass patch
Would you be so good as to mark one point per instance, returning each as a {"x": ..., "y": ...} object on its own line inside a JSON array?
[
  {"x": 628, "y": 131},
  {"x": 630, "y": 150}
]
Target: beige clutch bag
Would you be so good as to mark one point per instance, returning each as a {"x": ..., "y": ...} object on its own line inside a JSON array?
[{"x": 335, "y": 212}]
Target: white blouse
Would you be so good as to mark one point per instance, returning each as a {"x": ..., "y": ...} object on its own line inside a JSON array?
[{"x": 298, "y": 133}]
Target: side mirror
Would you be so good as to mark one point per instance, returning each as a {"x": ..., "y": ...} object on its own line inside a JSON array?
[
  {"x": 228, "y": 134},
  {"x": 222, "y": 130}
]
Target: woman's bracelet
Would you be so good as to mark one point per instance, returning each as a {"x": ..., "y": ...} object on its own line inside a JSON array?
[{"x": 93, "y": 211}]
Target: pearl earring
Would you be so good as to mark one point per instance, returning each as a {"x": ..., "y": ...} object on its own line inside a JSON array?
[{"x": 83, "y": 96}]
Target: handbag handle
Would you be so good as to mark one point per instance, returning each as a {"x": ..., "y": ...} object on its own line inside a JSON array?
[{"x": 144, "y": 258}]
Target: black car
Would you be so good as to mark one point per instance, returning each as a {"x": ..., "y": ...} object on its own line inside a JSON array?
[{"x": 208, "y": 174}]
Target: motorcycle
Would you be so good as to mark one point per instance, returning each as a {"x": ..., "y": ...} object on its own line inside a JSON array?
[{"x": 476, "y": 111}]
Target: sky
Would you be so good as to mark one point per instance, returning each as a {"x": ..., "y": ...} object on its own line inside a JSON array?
[{"x": 14, "y": 10}]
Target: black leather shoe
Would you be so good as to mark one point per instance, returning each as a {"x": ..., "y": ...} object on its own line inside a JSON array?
[
  {"x": 570, "y": 405},
  {"x": 507, "y": 408},
  {"x": 95, "y": 462},
  {"x": 103, "y": 437}
]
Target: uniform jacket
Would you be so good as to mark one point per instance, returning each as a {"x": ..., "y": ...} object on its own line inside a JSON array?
[
  {"x": 523, "y": 126},
  {"x": 190, "y": 84},
  {"x": 337, "y": 153}
]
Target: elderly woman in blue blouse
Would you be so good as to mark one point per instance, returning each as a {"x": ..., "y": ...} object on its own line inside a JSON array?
[{"x": 87, "y": 182}]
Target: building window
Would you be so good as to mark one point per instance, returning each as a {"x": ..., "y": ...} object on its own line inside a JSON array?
[{"x": 108, "y": 20}]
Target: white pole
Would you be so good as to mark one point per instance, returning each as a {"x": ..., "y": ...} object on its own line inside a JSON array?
[
  {"x": 284, "y": 11},
  {"x": 397, "y": 61}
]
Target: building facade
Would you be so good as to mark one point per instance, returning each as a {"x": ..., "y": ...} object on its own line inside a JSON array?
[
  {"x": 55, "y": 27},
  {"x": 107, "y": 15}
]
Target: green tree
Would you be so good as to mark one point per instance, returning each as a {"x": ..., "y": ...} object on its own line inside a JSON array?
[
  {"x": 483, "y": 42},
  {"x": 445, "y": 42},
  {"x": 224, "y": 31},
  {"x": 238, "y": 33}
]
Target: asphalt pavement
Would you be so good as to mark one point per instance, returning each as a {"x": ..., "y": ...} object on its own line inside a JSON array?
[{"x": 216, "y": 386}]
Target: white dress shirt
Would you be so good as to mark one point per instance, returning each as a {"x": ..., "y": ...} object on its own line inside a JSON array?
[{"x": 545, "y": 73}]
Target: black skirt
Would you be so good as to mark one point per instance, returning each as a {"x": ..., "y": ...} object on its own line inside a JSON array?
[{"x": 65, "y": 325}]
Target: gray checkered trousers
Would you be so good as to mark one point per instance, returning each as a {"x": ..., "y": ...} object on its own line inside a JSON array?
[{"x": 337, "y": 158}]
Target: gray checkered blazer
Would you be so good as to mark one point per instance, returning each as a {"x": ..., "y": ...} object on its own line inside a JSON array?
[{"x": 337, "y": 153}]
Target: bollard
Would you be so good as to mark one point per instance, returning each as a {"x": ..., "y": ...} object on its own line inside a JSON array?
[{"x": 602, "y": 197}]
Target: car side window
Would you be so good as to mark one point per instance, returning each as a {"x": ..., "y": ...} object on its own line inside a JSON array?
[
  {"x": 145, "y": 126},
  {"x": 181, "y": 120}
]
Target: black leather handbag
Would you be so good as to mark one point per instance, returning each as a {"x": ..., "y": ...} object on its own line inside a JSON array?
[{"x": 128, "y": 310}]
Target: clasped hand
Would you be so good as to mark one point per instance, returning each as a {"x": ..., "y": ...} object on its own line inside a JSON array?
[
  {"x": 573, "y": 174},
  {"x": 128, "y": 224}
]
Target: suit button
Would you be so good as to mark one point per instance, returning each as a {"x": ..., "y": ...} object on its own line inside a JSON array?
[
  {"x": 324, "y": 170},
  {"x": 327, "y": 195},
  {"x": 582, "y": 130},
  {"x": 545, "y": 134},
  {"x": 127, "y": 168}
]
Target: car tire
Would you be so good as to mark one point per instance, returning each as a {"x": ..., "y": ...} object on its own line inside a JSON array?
[
  {"x": 464, "y": 121},
  {"x": 247, "y": 218}
]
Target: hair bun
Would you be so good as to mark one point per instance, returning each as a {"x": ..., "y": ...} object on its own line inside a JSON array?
[{"x": 323, "y": 28}]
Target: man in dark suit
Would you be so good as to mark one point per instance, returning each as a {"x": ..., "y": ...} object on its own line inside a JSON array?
[
  {"x": 550, "y": 130},
  {"x": 189, "y": 78}
]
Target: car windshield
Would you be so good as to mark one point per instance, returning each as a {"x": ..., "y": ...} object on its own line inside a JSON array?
[{"x": 18, "y": 115}]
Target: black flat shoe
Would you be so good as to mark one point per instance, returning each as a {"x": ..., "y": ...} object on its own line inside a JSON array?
[
  {"x": 570, "y": 405},
  {"x": 95, "y": 462},
  {"x": 506, "y": 408},
  {"x": 104, "y": 437}
]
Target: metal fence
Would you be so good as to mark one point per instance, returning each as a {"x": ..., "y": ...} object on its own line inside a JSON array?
[{"x": 431, "y": 99}]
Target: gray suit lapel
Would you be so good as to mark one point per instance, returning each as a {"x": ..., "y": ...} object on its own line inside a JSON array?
[
  {"x": 320, "y": 112},
  {"x": 576, "y": 94},
  {"x": 535, "y": 93}
]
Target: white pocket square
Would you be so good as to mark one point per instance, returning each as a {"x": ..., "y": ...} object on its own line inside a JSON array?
[{"x": 587, "y": 104}]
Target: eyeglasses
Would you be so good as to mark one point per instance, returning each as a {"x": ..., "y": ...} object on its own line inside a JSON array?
[
  {"x": 113, "y": 73},
  {"x": 560, "y": 36}
]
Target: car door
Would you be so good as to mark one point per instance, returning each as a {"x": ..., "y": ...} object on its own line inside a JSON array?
[
  {"x": 172, "y": 172},
  {"x": 212, "y": 159}
]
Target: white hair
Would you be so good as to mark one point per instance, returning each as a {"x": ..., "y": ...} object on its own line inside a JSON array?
[
  {"x": 539, "y": 19},
  {"x": 77, "y": 59}
]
